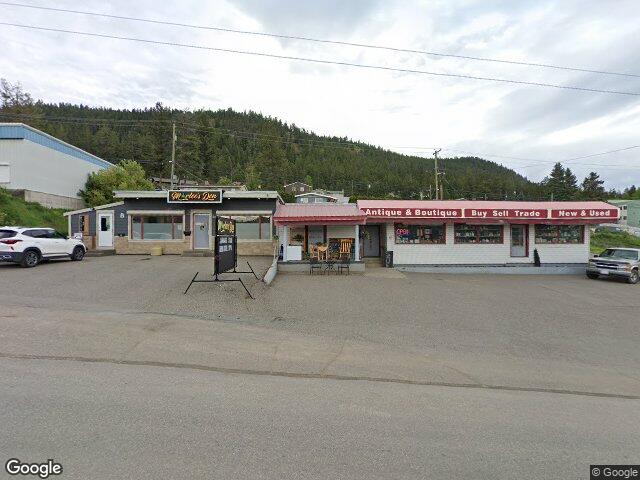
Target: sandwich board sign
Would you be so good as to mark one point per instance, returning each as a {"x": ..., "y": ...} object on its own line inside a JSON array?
[{"x": 226, "y": 254}]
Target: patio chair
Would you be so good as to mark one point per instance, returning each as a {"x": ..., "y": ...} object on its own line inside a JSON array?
[
  {"x": 345, "y": 262},
  {"x": 314, "y": 264}
]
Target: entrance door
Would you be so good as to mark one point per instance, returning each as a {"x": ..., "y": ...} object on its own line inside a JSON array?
[
  {"x": 519, "y": 240},
  {"x": 371, "y": 241},
  {"x": 105, "y": 229},
  {"x": 201, "y": 229}
]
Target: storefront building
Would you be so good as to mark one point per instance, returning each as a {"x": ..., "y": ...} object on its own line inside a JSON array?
[
  {"x": 179, "y": 221},
  {"x": 468, "y": 233}
]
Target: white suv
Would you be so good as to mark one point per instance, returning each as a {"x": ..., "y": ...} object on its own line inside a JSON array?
[{"x": 29, "y": 246}]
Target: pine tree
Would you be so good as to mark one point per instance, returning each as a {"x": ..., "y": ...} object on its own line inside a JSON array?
[{"x": 592, "y": 187}]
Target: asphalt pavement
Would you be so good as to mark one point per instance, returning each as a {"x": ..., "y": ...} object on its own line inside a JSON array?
[{"x": 147, "y": 422}]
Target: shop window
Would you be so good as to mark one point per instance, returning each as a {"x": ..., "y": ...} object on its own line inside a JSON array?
[
  {"x": 485, "y": 234},
  {"x": 156, "y": 227},
  {"x": 253, "y": 227},
  {"x": 424, "y": 234},
  {"x": 559, "y": 234}
]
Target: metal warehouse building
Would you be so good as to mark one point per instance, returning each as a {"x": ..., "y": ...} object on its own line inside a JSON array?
[{"x": 42, "y": 168}]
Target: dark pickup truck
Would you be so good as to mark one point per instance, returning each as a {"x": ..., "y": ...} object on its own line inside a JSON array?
[{"x": 616, "y": 262}]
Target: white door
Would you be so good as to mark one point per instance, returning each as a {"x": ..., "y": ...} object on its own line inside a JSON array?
[
  {"x": 519, "y": 240},
  {"x": 201, "y": 229},
  {"x": 105, "y": 230}
]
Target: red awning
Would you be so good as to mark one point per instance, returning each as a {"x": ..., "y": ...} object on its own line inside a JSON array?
[
  {"x": 489, "y": 211},
  {"x": 318, "y": 214}
]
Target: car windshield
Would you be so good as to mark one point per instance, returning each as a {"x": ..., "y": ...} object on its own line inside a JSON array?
[
  {"x": 7, "y": 233},
  {"x": 619, "y": 254}
]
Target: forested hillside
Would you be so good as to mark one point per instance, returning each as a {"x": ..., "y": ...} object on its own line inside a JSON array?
[{"x": 263, "y": 152}]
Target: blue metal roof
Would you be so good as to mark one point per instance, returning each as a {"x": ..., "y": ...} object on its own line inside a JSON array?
[{"x": 20, "y": 131}]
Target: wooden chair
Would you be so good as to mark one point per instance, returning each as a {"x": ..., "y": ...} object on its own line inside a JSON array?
[
  {"x": 323, "y": 253},
  {"x": 345, "y": 246},
  {"x": 313, "y": 252}
]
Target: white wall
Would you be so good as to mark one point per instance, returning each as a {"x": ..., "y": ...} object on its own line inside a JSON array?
[
  {"x": 474, "y": 254},
  {"x": 42, "y": 169},
  {"x": 341, "y": 231}
]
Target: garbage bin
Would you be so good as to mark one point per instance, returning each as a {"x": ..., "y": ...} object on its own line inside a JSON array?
[{"x": 388, "y": 259}]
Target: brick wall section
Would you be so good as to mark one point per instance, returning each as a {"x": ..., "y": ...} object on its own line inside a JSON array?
[
  {"x": 256, "y": 248},
  {"x": 128, "y": 247}
]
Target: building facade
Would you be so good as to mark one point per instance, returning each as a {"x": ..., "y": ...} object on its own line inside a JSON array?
[
  {"x": 460, "y": 233},
  {"x": 629, "y": 212},
  {"x": 179, "y": 221},
  {"x": 43, "y": 169}
]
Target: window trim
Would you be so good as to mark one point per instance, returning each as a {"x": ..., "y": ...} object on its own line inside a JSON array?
[
  {"x": 136, "y": 213},
  {"x": 444, "y": 233},
  {"x": 477, "y": 227},
  {"x": 558, "y": 226}
]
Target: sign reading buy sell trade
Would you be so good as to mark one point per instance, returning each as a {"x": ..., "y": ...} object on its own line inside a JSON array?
[
  {"x": 510, "y": 213},
  {"x": 194, "y": 196}
]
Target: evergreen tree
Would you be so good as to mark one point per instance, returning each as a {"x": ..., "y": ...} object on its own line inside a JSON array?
[{"x": 592, "y": 187}]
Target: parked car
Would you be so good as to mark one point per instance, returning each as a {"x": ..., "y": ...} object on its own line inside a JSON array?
[
  {"x": 616, "y": 262},
  {"x": 29, "y": 246}
]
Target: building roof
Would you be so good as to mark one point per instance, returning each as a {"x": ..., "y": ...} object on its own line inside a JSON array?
[
  {"x": 302, "y": 213},
  {"x": 297, "y": 183},
  {"x": 20, "y": 131}
]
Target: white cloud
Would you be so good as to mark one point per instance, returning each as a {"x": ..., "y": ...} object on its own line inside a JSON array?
[{"x": 384, "y": 108}]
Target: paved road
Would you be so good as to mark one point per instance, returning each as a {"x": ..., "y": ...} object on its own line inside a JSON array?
[{"x": 121, "y": 421}]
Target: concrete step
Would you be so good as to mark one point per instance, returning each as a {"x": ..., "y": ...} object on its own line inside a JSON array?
[
  {"x": 372, "y": 262},
  {"x": 99, "y": 253},
  {"x": 198, "y": 253}
]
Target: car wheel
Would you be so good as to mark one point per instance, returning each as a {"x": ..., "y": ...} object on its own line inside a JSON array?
[
  {"x": 30, "y": 259},
  {"x": 592, "y": 276},
  {"x": 634, "y": 277},
  {"x": 78, "y": 254}
]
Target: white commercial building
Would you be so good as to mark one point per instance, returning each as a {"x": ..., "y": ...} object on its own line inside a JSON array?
[{"x": 42, "y": 168}]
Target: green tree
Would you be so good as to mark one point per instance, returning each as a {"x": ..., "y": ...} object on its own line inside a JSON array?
[
  {"x": 127, "y": 175},
  {"x": 592, "y": 187},
  {"x": 561, "y": 184}
]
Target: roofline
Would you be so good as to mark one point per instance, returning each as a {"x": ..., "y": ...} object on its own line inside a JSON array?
[
  {"x": 55, "y": 139},
  {"x": 257, "y": 194},
  {"x": 317, "y": 195},
  {"x": 302, "y": 183},
  {"x": 90, "y": 209}
]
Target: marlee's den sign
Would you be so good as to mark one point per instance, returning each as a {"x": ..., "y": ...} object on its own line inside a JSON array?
[{"x": 194, "y": 196}]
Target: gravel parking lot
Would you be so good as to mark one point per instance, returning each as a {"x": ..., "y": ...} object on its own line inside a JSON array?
[{"x": 511, "y": 321}]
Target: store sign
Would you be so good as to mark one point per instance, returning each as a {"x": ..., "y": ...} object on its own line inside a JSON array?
[
  {"x": 413, "y": 212},
  {"x": 194, "y": 196},
  {"x": 577, "y": 213},
  {"x": 510, "y": 213}
]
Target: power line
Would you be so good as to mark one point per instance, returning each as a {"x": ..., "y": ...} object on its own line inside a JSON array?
[
  {"x": 324, "y": 41},
  {"x": 321, "y": 61}
]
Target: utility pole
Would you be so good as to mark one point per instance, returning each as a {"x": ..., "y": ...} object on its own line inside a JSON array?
[
  {"x": 173, "y": 151},
  {"x": 435, "y": 159}
]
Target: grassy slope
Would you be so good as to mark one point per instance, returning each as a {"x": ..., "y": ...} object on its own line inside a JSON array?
[
  {"x": 14, "y": 211},
  {"x": 602, "y": 240}
]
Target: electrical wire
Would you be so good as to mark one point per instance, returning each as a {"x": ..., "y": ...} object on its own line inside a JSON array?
[
  {"x": 321, "y": 61},
  {"x": 322, "y": 41}
]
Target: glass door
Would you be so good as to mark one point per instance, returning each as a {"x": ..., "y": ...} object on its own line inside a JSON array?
[{"x": 519, "y": 241}]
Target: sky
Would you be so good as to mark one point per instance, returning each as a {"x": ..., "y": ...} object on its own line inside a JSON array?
[{"x": 526, "y": 128}]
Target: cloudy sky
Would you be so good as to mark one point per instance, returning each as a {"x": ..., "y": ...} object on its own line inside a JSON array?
[{"x": 406, "y": 112}]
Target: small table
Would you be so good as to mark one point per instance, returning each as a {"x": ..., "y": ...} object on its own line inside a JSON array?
[{"x": 330, "y": 266}]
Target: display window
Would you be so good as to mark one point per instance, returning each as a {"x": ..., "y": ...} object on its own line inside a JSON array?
[
  {"x": 559, "y": 234},
  {"x": 484, "y": 234},
  {"x": 156, "y": 227},
  {"x": 420, "y": 234}
]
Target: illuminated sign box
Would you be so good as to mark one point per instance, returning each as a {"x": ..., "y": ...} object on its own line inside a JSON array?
[{"x": 194, "y": 196}]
